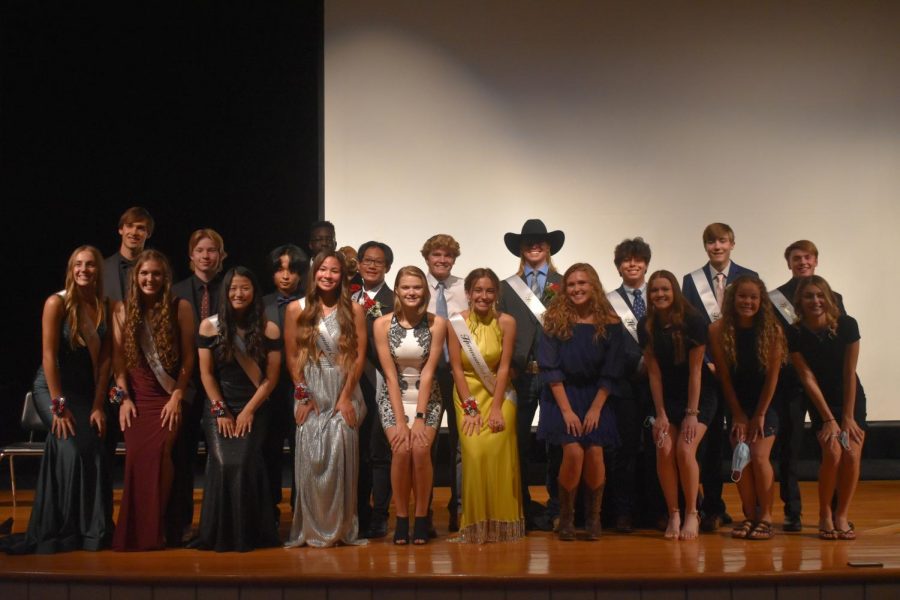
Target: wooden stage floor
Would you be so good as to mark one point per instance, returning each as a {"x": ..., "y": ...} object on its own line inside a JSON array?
[{"x": 642, "y": 559}]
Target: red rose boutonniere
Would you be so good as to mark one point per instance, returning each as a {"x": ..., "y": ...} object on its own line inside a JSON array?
[
  {"x": 550, "y": 292},
  {"x": 372, "y": 307}
]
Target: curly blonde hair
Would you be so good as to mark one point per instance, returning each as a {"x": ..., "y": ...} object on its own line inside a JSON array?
[
  {"x": 72, "y": 300},
  {"x": 308, "y": 321},
  {"x": 560, "y": 318},
  {"x": 162, "y": 320},
  {"x": 768, "y": 333}
]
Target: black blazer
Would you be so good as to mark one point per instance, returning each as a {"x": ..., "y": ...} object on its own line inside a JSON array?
[
  {"x": 185, "y": 289},
  {"x": 386, "y": 297},
  {"x": 790, "y": 288},
  {"x": 693, "y": 296},
  {"x": 633, "y": 353},
  {"x": 527, "y": 325},
  {"x": 112, "y": 282}
]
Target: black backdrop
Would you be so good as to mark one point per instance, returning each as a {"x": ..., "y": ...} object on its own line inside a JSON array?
[{"x": 207, "y": 115}]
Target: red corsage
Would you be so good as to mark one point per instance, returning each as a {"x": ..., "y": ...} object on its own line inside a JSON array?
[
  {"x": 470, "y": 407},
  {"x": 550, "y": 292},
  {"x": 58, "y": 406},
  {"x": 216, "y": 408},
  {"x": 301, "y": 394}
]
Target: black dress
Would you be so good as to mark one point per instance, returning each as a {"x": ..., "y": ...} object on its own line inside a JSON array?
[
  {"x": 824, "y": 353},
  {"x": 748, "y": 379},
  {"x": 237, "y": 512},
  {"x": 676, "y": 376},
  {"x": 73, "y": 495}
]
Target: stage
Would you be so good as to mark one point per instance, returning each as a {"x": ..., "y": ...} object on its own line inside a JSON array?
[{"x": 637, "y": 565}]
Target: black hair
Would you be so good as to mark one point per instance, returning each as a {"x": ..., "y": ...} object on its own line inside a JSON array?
[
  {"x": 388, "y": 253},
  {"x": 636, "y": 248},
  {"x": 254, "y": 322},
  {"x": 298, "y": 261}
]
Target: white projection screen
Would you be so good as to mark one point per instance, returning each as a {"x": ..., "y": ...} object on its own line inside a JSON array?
[{"x": 616, "y": 119}]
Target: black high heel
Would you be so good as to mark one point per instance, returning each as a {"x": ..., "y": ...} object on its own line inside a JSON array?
[
  {"x": 420, "y": 531},
  {"x": 401, "y": 531}
]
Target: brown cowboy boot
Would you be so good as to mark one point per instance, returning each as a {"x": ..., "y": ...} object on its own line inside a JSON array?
[
  {"x": 592, "y": 525},
  {"x": 566, "y": 527}
]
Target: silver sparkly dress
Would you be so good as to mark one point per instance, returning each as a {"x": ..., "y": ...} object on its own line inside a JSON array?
[{"x": 327, "y": 458}]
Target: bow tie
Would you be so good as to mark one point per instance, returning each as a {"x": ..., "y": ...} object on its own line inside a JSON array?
[{"x": 282, "y": 300}]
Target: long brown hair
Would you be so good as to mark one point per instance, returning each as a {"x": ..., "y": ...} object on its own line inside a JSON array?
[
  {"x": 766, "y": 330},
  {"x": 832, "y": 312},
  {"x": 72, "y": 299},
  {"x": 162, "y": 321},
  {"x": 560, "y": 318},
  {"x": 308, "y": 322},
  {"x": 678, "y": 312}
]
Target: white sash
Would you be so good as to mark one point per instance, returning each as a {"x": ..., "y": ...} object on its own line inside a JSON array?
[
  {"x": 524, "y": 292},
  {"x": 468, "y": 345},
  {"x": 621, "y": 307},
  {"x": 783, "y": 306},
  {"x": 707, "y": 296},
  {"x": 251, "y": 369},
  {"x": 148, "y": 347},
  {"x": 326, "y": 343}
]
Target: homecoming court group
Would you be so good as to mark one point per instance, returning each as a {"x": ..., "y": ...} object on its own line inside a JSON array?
[{"x": 357, "y": 377}]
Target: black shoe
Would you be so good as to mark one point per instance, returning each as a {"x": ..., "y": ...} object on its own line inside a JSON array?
[
  {"x": 726, "y": 518},
  {"x": 420, "y": 531},
  {"x": 792, "y": 523},
  {"x": 401, "y": 531},
  {"x": 710, "y": 523},
  {"x": 378, "y": 529},
  {"x": 453, "y": 523},
  {"x": 623, "y": 524},
  {"x": 6, "y": 526}
]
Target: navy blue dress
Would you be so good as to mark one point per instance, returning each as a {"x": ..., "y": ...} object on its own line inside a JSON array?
[
  {"x": 583, "y": 364},
  {"x": 824, "y": 353}
]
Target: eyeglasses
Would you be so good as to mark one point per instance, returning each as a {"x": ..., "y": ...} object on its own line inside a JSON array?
[
  {"x": 329, "y": 238},
  {"x": 372, "y": 262}
]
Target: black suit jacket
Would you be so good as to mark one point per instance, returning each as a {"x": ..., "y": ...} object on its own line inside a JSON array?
[
  {"x": 633, "y": 353},
  {"x": 527, "y": 325},
  {"x": 693, "y": 296},
  {"x": 185, "y": 289},
  {"x": 112, "y": 281},
  {"x": 385, "y": 297}
]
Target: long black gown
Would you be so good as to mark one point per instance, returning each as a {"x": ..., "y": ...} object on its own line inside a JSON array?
[
  {"x": 237, "y": 512},
  {"x": 73, "y": 495}
]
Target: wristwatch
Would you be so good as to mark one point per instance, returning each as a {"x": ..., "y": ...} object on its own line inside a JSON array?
[{"x": 420, "y": 415}]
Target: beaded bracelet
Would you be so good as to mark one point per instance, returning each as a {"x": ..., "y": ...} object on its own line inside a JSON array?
[
  {"x": 470, "y": 407},
  {"x": 117, "y": 394},
  {"x": 216, "y": 408},
  {"x": 301, "y": 394},
  {"x": 58, "y": 406},
  {"x": 691, "y": 412}
]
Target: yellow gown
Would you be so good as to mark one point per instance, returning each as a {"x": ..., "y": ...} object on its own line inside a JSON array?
[{"x": 491, "y": 494}]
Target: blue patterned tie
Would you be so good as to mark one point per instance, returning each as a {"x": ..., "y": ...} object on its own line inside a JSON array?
[
  {"x": 640, "y": 308},
  {"x": 535, "y": 285},
  {"x": 440, "y": 307}
]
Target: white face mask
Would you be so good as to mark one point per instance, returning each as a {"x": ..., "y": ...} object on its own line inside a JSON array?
[{"x": 739, "y": 460}]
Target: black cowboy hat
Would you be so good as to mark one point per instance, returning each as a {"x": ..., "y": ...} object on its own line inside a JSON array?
[{"x": 534, "y": 229}]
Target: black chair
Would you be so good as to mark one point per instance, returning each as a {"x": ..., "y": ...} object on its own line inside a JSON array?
[{"x": 31, "y": 422}]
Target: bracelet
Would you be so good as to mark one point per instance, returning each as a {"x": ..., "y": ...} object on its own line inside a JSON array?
[
  {"x": 117, "y": 395},
  {"x": 470, "y": 407},
  {"x": 691, "y": 412},
  {"x": 301, "y": 394},
  {"x": 420, "y": 415},
  {"x": 58, "y": 406},
  {"x": 216, "y": 408},
  {"x": 829, "y": 420}
]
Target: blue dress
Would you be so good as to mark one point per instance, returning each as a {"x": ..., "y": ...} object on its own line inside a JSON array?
[{"x": 583, "y": 364}]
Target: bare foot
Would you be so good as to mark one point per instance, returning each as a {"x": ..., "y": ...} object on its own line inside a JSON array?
[
  {"x": 691, "y": 526},
  {"x": 674, "y": 526}
]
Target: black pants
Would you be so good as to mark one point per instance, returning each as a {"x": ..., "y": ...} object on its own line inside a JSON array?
[
  {"x": 180, "y": 510},
  {"x": 282, "y": 426},
  {"x": 445, "y": 382},
  {"x": 528, "y": 391},
  {"x": 791, "y": 424},
  {"x": 711, "y": 452},
  {"x": 374, "y": 464},
  {"x": 622, "y": 477}
]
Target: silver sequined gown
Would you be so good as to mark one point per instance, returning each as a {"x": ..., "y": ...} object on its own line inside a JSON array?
[{"x": 327, "y": 460}]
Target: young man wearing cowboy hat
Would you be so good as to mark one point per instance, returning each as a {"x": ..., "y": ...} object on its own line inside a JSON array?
[{"x": 525, "y": 296}]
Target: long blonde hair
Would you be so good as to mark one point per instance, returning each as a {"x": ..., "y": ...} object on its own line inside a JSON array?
[
  {"x": 560, "y": 318},
  {"x": 769, "y": 337},
  {"x": 72, "y": 299},
  {"x": 162, "y": 321},
  {"x": 412, "y": 271},
  {"x": 308, "y": 321},
  {"x": 832, "y": 312}
]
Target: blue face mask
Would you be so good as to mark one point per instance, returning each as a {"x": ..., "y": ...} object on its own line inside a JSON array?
[{"x": 739, "y": 460}]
